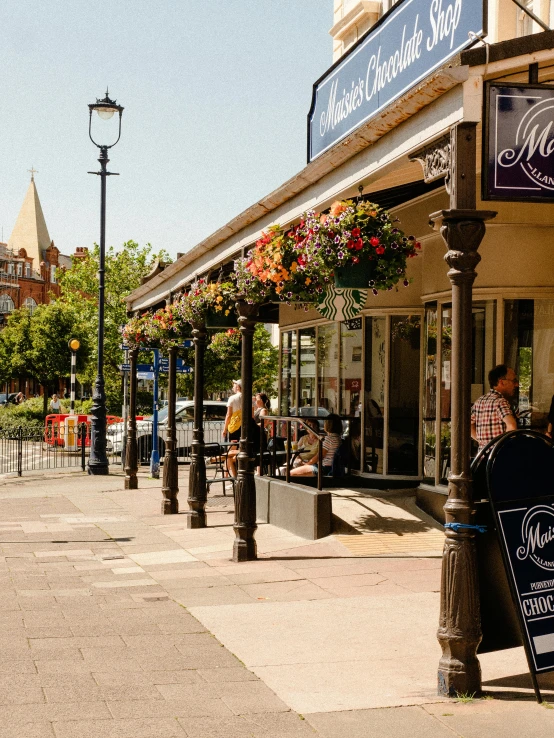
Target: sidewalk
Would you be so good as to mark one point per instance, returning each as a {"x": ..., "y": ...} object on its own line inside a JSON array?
[{"x": 118, "y": 621}]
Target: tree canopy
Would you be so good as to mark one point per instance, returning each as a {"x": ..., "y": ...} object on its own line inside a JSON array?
[
  {"x": 220, "y": 370},
  {"x": 125, "y": 269}
]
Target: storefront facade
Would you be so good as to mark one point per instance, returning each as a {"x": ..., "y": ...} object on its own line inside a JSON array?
[{"x": 388, "y": 369}]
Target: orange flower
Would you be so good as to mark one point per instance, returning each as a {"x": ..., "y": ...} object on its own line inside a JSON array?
[{"x": 337, "y": 208}]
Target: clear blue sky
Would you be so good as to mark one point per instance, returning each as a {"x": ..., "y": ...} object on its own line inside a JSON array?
[{"x": 216, "y": 94}]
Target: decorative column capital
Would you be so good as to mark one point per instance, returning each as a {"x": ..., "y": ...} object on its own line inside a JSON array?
[
  {"x": 199, "y": 332},
  {"x": 462, "y": 231},
  {"x": 248, "y": 312}
]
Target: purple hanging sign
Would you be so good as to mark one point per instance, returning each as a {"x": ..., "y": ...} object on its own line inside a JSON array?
[{"x": 518, "y": 151}]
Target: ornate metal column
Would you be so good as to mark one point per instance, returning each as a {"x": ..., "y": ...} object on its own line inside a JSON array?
[
  {"x": 244, "y": 548},
  {"x": 170, "y": 481},
  {"x": 462, "y": 227},
  {"x": 131, "y": 455},
  {"x": 197, "y": 477}
]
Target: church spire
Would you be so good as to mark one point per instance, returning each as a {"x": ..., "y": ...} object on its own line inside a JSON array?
[{"x": 30, "y": 231}]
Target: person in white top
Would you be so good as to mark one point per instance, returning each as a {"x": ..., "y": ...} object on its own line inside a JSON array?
[{"x": 55, "y": 404}]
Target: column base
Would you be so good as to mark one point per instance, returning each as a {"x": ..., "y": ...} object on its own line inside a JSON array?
[
  {"x": 131, "y": 483},
  {"x": 456, "y": 678},
  {"x": 245, "y": 550},
  {"x": 196, "y": 519},
  {"x": 170, "y": 506},
  {"x": 98, "y": 469}
]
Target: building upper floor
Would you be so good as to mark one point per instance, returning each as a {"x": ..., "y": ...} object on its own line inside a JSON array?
[{"x": 506, "y": 20}]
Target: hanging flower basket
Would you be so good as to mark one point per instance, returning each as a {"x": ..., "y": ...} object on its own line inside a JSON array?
[
  {"x": 359, "y": 244},
  {"x": 212, "y": 303},
  {"x": 137, "y": 333},
  {"x": 354, "y": 276},
  {"x": 277, "y": 269}
]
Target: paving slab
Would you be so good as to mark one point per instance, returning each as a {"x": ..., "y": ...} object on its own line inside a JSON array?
[{"x": 108, "y": 612}]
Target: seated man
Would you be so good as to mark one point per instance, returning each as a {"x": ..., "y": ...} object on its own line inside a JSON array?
[{"x": 331, "y": 443}]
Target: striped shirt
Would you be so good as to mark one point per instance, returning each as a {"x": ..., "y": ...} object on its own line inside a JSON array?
[
  {"x": 488, "y": 414},
  {"x": 331, "y": 443}
]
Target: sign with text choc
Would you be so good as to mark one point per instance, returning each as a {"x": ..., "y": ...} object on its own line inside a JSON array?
[
  {"x": 520, "y": 474},
  {"x": 519, "y": 143},
  {"x": 414, "y": 38}
]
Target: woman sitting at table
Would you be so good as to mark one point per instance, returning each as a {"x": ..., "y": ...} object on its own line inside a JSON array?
[
  {"x": 307, "y": 445},
  {"x": 331, "y": 443}
]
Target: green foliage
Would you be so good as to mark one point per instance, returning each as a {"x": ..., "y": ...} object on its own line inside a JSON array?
[
  {"x": 222, "y": 365},
  {"x": 266, "y": 362},
  {"x": 465, "y": 698},
  {"x": 125, "y": 269},
  {"x": 51, "y": 327},
  {"x": 36, "y": 345},
  {"x": 15, "y": 345},
  {"x": 29, "y": 415},
  {"x": 82, "y": 407}
]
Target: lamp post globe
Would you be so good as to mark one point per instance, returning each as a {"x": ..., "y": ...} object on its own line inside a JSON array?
[{"x": 98, "y": 460}]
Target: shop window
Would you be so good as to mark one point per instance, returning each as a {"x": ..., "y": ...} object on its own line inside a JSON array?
[
  {"x": 328, "y": 367},
  {"x": 288, "y": 372},
  {"x": 307, "y": 371},
  {"x": 374, "y": 394},
  {"x": 403, "y": 413},
  {"x": 529, "y": 349},
  {"x": 430, "y": 394},
  {"x": 351, "y": 367},
  {"x": 482, "y": 360}
]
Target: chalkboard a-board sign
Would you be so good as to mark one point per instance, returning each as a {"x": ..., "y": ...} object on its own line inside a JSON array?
[{"x": 520, "y": 480}]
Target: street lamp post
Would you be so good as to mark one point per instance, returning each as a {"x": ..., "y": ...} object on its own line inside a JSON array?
[{"x": 98, "y": 460}]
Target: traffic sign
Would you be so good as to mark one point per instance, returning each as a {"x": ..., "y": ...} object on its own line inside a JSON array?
[
  {"x": 143, "y": 369},
  {"x": 124, "y": 348},
  {"x": 188, "y": 343}
]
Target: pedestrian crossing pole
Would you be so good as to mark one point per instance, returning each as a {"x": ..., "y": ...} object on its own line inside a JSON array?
[{"x": 73, "y": 347}]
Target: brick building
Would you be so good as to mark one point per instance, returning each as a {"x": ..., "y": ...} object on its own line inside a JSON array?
[{"x": 28, "y": 264}]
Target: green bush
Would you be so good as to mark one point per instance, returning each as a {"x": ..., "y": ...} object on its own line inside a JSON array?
[
  {"x": 82, "y": 407},
  {"x": 29, "y": 415}
]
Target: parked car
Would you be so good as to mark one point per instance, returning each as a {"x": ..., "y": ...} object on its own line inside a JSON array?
[
  {"x": 214, "y": 419},
  {"x": 6, "y": 399}
]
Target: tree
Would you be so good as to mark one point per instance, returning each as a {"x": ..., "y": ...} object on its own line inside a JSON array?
[
  {"x": 15, "y": 345},
  {"x": 221, "y": 368},
  {"x": 51, "y": 327},
  {"x": 79, "y": 289},
  {"x": 36, "y": 345}
]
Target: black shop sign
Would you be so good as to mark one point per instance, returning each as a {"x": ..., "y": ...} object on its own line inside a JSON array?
[
  {"x": 518, "y": 151},
  {"x": 520, "y": 480}
]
